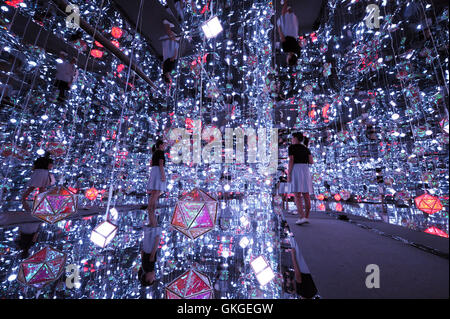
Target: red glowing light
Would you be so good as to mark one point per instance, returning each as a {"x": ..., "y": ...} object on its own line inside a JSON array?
[
  {"x": 320, "y": 197},
  {"x": 116, "y": 32},
  {"x": 120, "y": 67},
  {"x": 116, "y": 43},
  {"x": 91, "y": 193},
  {"x": 97, "y": 53},
  {"x": 98, "y": 44},
  {"x": 337, "y": 197},
  {"x": 436, "y": 231},
  {"x": 428, "y": 204},
  {"x": 321, "y": 207},
  {"x": 339, "y": 207},
  {"x": 14, "y": 3}
]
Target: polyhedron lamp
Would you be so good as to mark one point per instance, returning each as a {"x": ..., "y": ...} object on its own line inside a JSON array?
[
  {"x": 103, "y": 233},
  {"x": 212, "y": 27},
  {"x": 263, "y": 271},
  {"x": 428, "y": 204},
  {"x": 42, "y": 268},
  {"x": 195, "y": 214},
  {"x": 54, "y": 205},
  {"x": 436, "y": 231},
  {"x": 191, "y": 285}
]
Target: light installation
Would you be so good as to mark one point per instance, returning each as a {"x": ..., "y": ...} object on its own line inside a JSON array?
[
  {"x": 54, "y": 205},
  {"x": 42, "y": 268},
  {"x": 195, "y": 214}
]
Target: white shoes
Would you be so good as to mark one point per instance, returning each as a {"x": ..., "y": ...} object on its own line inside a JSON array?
[{"x": 302, "y": 221}]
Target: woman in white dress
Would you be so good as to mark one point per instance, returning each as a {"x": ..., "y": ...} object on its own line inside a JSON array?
[
  {"x": 41, "y": 179},
  {"x": 157, "y": 182},
  {"x": 299, "y": 176}
]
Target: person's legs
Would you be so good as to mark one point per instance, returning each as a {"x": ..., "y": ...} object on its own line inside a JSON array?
[
  {"x": 25, "y": 205},
  {"x": 152, "y": 207},
  {"x": 298, "y": 203},
  {"x": 307, "y": 204}
]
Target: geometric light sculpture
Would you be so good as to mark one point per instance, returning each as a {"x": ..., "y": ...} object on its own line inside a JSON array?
[
  {"x": 428, "y": 204},
  {"x": 54, "y": 205},
  {"x": 263, "y": 271},
  {"x": 103, "y": 233},
  {"x": 195, "y": 214},
  {"x": 190, "y": 285},
  {"x": 436, "y": 231},
  {"x": 42, "y": 268},
  {"x": 212, "y": 27}
]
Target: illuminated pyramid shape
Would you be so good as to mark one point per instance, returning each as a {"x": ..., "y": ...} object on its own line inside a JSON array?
[
  {"x": 54, "y": 205},
  {"x": 42, "y": 268},
  {"x": 195, "y": 214},
  {"x": 190, "y": 285},
  {"x": 428, "y": 204}
]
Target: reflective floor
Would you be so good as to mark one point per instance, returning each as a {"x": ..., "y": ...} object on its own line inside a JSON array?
[{"x": 245, "y": 229}]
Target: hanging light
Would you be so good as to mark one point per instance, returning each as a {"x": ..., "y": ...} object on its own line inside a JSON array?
[
  {"x": 263, "y": 271},
  {"x": 104, "y": 233},
  {"x": 212, "y": 27}
]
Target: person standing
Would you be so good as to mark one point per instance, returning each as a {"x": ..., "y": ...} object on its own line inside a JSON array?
[
  {"x": 157, "y": 182},
  {"x": 150, "y": 244},
  {"x": 65, "y": 73},
  {"x": 299, "y": 176},
  {"x": 288, "y": 32},
  {"x": 170, "y": 47},
  {"x": 41, "y": 179}
]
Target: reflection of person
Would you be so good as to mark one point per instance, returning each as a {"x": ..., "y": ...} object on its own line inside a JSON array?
[
  {"x": 157, "y": 182},
  {"x": 304, "y": 283},
  {"x": 149, "y": 251},
  {"x": 288, "y": 31},
  {"x": 41, "y": 178},
  {"x": 170, "y": 51},
  {"x": 299, "y": 176},
  {"x": 65, "y": 74}
]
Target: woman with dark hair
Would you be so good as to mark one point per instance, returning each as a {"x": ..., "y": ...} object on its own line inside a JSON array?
[
  {"x": 288, "y": 32},
  {"x": 41, "y": 178},
  {"x": 170, "y": 47},
  {"x": 157, "y": 182},
  {"x": 299, "y": 175}
]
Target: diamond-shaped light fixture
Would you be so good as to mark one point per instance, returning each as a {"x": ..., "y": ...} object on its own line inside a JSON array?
[
  {"x": 54, "y": 205},
  {"x": 42, "y": 268},
  {"x": 191, "y": 285},
  {"x": 195, "y": 214},
  {"x": 428, "y": 204}
]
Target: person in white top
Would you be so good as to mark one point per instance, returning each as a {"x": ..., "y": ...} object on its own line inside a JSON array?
[
  {"x": 65, "y": 75},
  {"x": 288, "y": 31},
  {"x": 170, "y": 51}
]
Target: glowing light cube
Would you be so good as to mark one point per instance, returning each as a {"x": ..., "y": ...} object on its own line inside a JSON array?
[
  {"x": 212, "y": 27},
  {"x": 103, "y": 233},
  {"x": 195, "y": 214},
  {"x": 263, "y": 271},
  {"x": 54, "y": 205},
  {"x": 42, "y": 268},
  {"x": 191, "y": 285}
]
